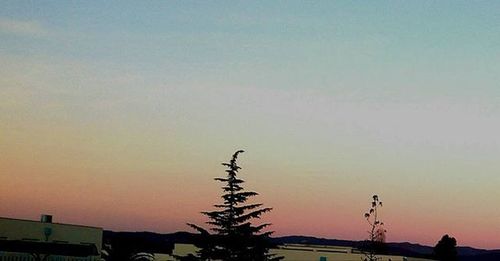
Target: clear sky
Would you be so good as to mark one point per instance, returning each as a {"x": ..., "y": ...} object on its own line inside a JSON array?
[{"x": 118, "y": 114}]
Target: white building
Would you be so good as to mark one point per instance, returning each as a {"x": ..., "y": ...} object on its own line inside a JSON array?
[
  {"x": 27, "y": 240},
  {"x": 299, "y": 252}
]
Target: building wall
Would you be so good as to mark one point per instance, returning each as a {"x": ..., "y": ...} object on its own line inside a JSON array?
[
  {"x": 27, "y": 230},
  {"x": 15, "y": 229},
  {"x": 26, "y": 257}
]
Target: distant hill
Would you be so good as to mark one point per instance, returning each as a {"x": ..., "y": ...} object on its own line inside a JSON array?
[{"x": 164, "y": 242}]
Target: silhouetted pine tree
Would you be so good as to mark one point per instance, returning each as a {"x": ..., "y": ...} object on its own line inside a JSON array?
[{"x": 234, "y": 236}]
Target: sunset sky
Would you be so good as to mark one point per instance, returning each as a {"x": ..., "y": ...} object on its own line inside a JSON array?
[{"x": 118, "y": 114}]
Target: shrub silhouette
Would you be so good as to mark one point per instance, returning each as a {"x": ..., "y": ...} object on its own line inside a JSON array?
[{"x": 446, "y": 249}]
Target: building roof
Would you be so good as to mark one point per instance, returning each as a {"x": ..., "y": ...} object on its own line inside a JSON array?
[{"x": 37, "y": 221}]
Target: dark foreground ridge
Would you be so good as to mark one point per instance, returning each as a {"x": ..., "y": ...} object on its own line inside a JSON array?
[{"x": 162, "y": 243}]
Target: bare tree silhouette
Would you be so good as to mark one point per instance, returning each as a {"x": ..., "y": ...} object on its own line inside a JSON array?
[{"x": 376, "y": 232}]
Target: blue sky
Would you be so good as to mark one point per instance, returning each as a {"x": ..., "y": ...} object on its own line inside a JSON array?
[{"x": 400, "y": 98}]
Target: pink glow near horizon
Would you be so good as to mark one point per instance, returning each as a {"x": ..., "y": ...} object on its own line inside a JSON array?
[{"x": 142, "y": 204}]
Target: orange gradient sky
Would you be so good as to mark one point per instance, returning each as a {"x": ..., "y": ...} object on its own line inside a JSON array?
[{"x": 119, "y": 116}]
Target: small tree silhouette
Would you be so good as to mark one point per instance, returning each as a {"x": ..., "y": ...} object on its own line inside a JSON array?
[
  {"x": 376, "y": 240},
  {"x": 235, "y": 238},
  {"x": 446, "y": 249}
]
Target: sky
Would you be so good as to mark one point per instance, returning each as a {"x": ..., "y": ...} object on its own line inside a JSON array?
[{"x": 118, "y": 113}]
